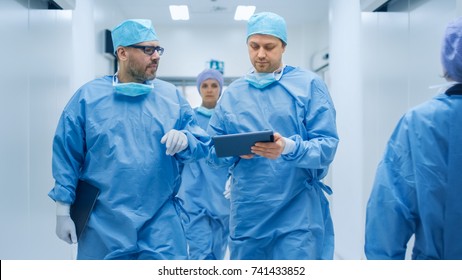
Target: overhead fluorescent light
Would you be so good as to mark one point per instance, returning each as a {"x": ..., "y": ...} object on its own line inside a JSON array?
[
  {"x": 179, "y": 12},
  {"x": 244, "y": 12}
]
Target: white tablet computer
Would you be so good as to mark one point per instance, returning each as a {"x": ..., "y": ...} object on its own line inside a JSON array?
[{"x": 240, "y": 143}]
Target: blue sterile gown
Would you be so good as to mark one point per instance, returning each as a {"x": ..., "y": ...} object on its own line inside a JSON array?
[
  {"x": 113, "y": 142},
  {"x": 418, "y": 185},
  {"x": 202, "y": 190},
  {"x": 278, "y": 207}
]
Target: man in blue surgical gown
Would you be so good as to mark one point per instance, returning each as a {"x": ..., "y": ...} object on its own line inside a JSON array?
[
  {"x": 202, "y": 186},
  {"x": 418, "y": 184},
  {"x": 278, "y": 205},
  {"x": 125, "y": 134}
]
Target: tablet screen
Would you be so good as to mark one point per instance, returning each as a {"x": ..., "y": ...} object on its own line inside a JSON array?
[{"x": 240, "y": 143}]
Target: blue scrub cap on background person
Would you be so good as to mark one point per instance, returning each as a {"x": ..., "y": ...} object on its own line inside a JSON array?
[
  {"x": 267, "y": 23},
  {"x": 133, "y": 31},
  {"x": 451, "y": 53},
  {"x": 209, "y": 74}
]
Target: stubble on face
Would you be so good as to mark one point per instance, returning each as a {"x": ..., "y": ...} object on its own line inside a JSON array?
[
  {"x": 265, "y": 52},
  {"x": 143, "y": 71}
]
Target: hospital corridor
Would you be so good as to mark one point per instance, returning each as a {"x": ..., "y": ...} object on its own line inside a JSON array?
[{"x": 131, "y": 99}]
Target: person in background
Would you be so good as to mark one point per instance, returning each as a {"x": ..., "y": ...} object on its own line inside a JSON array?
[
  {"x": 278, "y": 207},
  {"x": 125, "y": 134},
  {"x": 418, "y": 187},
  {"x": 202, "y": 186}
]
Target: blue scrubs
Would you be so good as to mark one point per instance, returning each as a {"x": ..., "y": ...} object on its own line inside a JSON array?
[
  {"x": 278, "y": 207},
  {"x": 418, "y": 186},
  {"x": 113, "y": 142},
  {"x": 202, "y": 190}
]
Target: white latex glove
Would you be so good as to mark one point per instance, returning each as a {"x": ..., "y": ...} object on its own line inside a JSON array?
[
  {"x": 65, "y": 227},
  {"x": 175, "y": 141},
  {"x": 227, "y": 192},
  {"x": 289, "y": 146}
]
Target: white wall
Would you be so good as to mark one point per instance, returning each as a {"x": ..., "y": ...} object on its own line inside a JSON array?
[
  {"x": 35, "y": 79},
  {"x": 345, "y": 87},
  {"x": 83, "y": 43},
  {"x": 14, "y": 115},
  {"x": 104, "y": 18}
]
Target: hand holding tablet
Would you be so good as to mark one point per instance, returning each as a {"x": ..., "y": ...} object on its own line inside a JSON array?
[{"x": 240, "y": 143}]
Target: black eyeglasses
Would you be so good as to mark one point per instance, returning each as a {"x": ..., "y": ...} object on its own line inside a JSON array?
[{"x": 149, "y": 50}]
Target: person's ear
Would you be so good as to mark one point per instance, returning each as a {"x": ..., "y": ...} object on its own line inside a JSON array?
[{"x": 122, "y": 53}]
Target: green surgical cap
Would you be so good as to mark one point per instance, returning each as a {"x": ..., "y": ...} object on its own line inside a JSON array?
[
  {"x": 268, "y": 24},
  {"x": 133, "y": 31}
]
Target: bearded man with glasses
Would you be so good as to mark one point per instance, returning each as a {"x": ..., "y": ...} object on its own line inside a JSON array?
[{"x": 126, "y": 135}]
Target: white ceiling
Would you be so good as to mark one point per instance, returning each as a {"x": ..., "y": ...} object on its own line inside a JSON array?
[{"x": 221, "y": 12}]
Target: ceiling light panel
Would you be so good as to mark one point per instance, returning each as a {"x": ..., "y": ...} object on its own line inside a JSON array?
[
  {"x": 179, "y": 12},
  {"x": 244, "y": 12}
]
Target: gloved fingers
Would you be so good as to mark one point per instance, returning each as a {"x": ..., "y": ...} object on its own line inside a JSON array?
[
  {"x": 64, "y": 237},
  {"x": 227, "y": 192},
  {"x": 168, "y": 139},
  {"x": 175, "y": 141},
  {"x": 65, "y": 229},
  {"x": 172, "y": 142},
  {"x": 73, "y": 235},
  {"x": 164, "y": 138},
  {"x": 178, "y": 147},
  {"x": 182, "y": 142}
]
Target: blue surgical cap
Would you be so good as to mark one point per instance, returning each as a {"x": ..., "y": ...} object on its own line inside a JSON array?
[
  {"x": 210, "y": 74},
  {"x": 268, "y": 24},
  {"x": 133, "y": 31},
  {"x": 451, "y": 52}
]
